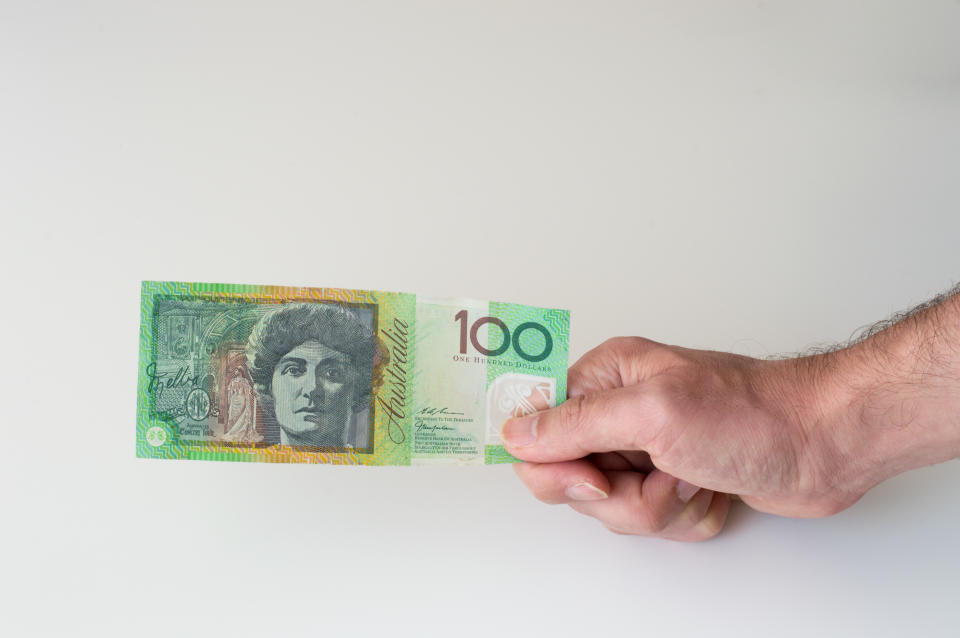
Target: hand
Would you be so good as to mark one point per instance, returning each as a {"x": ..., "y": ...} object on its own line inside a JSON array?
[{"x": 654, "y": 439}]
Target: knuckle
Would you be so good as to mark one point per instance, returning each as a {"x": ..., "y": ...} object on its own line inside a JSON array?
[
  {"x": 671, "y": 358},
  {"x": 615, "y": 343},
  {"x": 658, "y": 409},
  {"x": 628, "y": 345},
  {"x": 652, "y": 521},
  {"x": 646, "y": 517},
  {"x": 668, "y": 401},
  {"x": 572, "y": 413}
]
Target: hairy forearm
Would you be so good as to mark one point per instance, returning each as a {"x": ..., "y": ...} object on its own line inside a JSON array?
[{"x": 891, "y": 402}]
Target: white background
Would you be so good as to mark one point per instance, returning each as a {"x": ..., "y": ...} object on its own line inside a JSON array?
[{"x": 753, "y": 176}]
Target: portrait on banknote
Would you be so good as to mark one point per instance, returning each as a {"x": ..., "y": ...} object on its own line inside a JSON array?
[
  {"x": 290, "y": 374},
  {"x": 312, "y": 367}
]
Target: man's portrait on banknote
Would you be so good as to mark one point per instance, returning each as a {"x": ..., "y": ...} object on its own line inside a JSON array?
[{"x": 312, "y": 368}]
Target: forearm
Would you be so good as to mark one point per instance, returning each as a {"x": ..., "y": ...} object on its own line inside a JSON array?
[{"x": 892, "y": 401}]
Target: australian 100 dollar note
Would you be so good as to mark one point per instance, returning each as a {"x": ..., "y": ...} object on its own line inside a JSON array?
[{"x": 326, "y": 375}]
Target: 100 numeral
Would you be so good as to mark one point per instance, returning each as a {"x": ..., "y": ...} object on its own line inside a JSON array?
[{"x": 507, "y": 340}]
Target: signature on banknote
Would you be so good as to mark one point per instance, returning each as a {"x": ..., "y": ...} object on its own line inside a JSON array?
[{"x": 160, "y": 381}]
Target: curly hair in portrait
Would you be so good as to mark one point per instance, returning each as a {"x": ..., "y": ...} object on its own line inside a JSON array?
[{"x": 333, "y": 325}]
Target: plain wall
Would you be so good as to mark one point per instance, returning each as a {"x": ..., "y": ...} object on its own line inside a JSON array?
[{"x": 754, "y": 176}]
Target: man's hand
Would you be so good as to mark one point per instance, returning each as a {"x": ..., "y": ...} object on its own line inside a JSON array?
[{"x": 654, "y": 438}]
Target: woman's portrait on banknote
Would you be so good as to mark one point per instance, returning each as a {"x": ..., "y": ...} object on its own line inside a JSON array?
[{"x": 312, "y": 368}]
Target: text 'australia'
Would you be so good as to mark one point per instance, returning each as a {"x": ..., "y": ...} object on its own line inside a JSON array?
[{"x": 394, "y": 398}]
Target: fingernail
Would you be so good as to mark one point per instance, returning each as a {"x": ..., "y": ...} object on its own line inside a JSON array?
[
  {"x": 585, "y": 492},
  {"x": 520, "y": 432},
  {"x": 685, "y": 491}
]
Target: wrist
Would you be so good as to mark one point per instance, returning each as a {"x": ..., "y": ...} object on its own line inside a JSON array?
[
  {"x": 817, "y": 402},
  {"x": 888, "y": 404}
]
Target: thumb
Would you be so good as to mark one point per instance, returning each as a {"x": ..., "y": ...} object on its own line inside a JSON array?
[{"x": 616, "y": 419}]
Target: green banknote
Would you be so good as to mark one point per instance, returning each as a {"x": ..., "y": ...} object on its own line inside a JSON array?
[{"x": 327, "y": 375}]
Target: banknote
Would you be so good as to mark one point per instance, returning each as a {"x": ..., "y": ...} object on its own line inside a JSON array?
[{"x": 328, "y": 375}]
